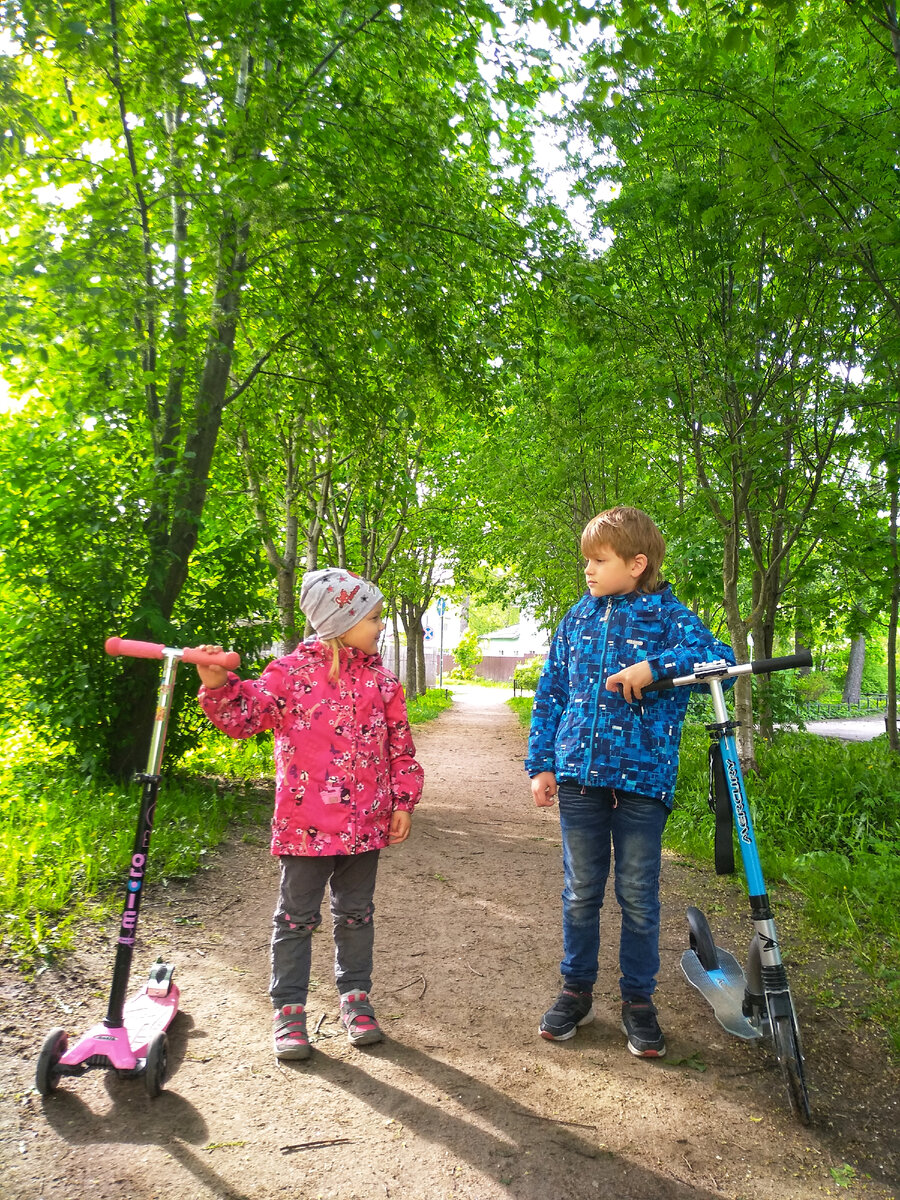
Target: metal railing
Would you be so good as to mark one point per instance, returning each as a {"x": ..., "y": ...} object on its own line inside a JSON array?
[{"x": 871, "y": 704}]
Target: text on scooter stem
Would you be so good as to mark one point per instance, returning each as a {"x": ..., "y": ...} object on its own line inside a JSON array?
[
  {"x": 135, "y": 883},
  {"x": 738, "y": 800}
]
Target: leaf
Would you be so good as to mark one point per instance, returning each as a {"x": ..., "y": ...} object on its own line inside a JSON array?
[{"x": 692, "y": 1061}]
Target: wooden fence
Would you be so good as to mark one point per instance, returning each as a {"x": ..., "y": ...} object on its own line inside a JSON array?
[{"x": 496, "y": 668}]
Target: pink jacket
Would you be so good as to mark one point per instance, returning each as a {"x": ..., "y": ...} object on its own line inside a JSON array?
[{"x": 344, "y": 755}]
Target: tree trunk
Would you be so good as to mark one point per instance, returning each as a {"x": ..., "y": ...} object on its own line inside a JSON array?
[
  {"x": 799, "y": 647},
  {"x": 853, "y": 678},
  {"x": 396, "y": 633},
  {"x": 737, "y": 629},
  {"x": 130, "y": 728},
  {"x": 892, "y": 457},
  {"x": 765, "y": 607},
  {"x": 421, "y": 684}
]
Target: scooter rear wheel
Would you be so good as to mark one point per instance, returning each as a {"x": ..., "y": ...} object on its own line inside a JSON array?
[
  {"x": 47, "y": 1076},
  {"x": 701, "y": 939},
  {"x": 157, "y": 1067},
  {"x": 787, "y": 1050}
]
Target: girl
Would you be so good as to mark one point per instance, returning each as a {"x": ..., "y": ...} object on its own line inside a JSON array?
[{"x": 346, "y": 784}]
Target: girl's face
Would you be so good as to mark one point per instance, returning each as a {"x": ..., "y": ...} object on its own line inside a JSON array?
[{"x": 364, "y": 635}]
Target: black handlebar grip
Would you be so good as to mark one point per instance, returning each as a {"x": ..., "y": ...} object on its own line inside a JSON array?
[
  {"x": 761, "y": 666},
  {"x": 659, "y": 685}
]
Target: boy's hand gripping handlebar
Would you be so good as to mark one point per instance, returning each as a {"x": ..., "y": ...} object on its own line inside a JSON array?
[
  {"x": 229, "y": 659},
  {"x": 721, "y": 670}
]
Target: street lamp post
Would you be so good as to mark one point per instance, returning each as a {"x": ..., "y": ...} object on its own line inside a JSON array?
[{"x": 442, "y": 608}]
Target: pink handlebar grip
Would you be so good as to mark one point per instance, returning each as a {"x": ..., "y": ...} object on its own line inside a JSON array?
[
  {"x": 225, "y": 658},
  {"x": 132, "y": 649}
]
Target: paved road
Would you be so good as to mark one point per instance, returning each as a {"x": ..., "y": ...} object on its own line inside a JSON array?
[{"x": 853, "y": 729}]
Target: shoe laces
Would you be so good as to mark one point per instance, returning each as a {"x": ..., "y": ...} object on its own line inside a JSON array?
[{"x": 642, "y": 1015}]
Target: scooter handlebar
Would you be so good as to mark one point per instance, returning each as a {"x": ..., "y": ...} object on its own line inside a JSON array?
[
  {"x": 762, "y": 666},
  {"x": 721, "y": 670},
  {"x": 133, "y": 649}
]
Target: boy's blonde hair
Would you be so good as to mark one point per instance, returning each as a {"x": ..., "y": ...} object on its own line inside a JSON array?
[{"x": 627, "y": 532}]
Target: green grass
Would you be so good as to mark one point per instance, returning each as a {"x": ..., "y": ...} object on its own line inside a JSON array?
[
  {"x": 65, "y": 841},
  {"x": 521, "y": 706},
  {"x": 827, "y": 816},
  {"x": 427, "y": 707}
]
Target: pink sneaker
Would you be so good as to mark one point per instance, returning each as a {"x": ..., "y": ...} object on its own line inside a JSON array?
[
  {"x": 291, "y": 1041},
  {"x": 358, "y": 1018}
]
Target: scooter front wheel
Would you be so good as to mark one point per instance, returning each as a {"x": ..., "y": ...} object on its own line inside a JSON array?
[
  {"x": 787, "y": 1051},
  {"x": 47, "y": 1074},
  {"x": 157, "y": 1067},
  {"x": 701, "y": 939}
]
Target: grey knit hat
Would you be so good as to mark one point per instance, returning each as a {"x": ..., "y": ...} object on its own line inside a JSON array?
[{"x": 334, "y": 600}]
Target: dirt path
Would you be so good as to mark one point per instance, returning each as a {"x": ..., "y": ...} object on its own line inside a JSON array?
[{"x": 464, "y": 1099}]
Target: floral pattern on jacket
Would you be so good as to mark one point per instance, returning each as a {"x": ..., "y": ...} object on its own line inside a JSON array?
[
  {"x": 344, "y": 754},
  {"x": 582, "y": 732}
]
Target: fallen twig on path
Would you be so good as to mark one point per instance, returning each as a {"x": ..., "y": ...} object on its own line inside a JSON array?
[
  {"x": 320, "y": 1145},
  {"x": 418, "y": 979},
  {"x": 319, "y": 1023}
]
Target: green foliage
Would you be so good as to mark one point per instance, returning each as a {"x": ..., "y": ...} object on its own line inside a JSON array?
[
  {"x": 65, "y": 841},
  {"x": 811, "y": 794},
  {"x": 71, "y": 570},
  {"x": 428, "y": 706},
  {"x": 275, "y": 366},
  {"x": 488, "y": 616},
  {"x": 467, "y": 655},
  {"x": 827, "y": 815},
  {"x": 65, "y": 844},
  {"x": 223, "y": 757},
  {"x": 522, "y": 706},
  {"x": 527, "y": 674}
]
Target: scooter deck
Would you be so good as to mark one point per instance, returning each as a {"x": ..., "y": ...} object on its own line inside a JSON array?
[
  {"x": 144, "y": 1016},
  {"x": 723, "y": 988}
]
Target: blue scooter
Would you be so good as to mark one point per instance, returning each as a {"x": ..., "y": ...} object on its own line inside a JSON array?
[{"x": 754, "y": 1002}]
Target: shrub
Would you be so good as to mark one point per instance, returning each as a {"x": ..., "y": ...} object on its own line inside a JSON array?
[
  {"x": 467, "y": 655},
  {"x": 527, "y": 673}
]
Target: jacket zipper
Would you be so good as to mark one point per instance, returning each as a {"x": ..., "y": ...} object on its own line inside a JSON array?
[{"x": 596, "y": 699}]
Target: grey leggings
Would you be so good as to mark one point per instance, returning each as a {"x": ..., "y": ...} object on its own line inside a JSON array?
[{"x": 303, "y": 882}]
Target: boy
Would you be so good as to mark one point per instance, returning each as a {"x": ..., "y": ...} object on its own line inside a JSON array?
[{"x": 611, "y": 755}]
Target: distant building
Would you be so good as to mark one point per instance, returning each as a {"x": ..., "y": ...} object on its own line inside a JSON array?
[{"x": 523, "y": 640}]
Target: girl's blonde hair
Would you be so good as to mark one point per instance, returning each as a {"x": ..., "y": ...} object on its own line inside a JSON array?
[
  {"x": 336, "y": 646},
  {"x": 627, "y": 532}
]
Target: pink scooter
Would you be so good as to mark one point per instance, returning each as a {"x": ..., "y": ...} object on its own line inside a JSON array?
[{"x": 131, "y": 1040}]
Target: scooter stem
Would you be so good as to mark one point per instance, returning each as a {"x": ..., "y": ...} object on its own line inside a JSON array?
[{"x": 134, "y": 883}]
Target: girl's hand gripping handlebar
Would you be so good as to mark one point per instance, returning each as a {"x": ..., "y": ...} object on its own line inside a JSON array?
[{"x": 229, "y": 659}]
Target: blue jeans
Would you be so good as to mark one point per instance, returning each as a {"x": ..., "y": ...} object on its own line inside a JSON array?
[{"x": 593, "y": 819}]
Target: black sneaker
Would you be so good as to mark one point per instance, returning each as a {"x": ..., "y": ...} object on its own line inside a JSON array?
[
  {"x": 569, "y": 1010},
  {"x": 645, "y": 1037}
]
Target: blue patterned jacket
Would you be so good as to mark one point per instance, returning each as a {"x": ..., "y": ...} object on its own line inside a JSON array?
[{"x": 584, "y": 733}]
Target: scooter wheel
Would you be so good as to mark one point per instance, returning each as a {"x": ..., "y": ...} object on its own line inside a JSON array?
[
  {"x": 157, "y": 1065},
  {"x": 790, "y": 1059},
  {"x": 47, "y": 1074},
  {"x": 702, "y": 939}
]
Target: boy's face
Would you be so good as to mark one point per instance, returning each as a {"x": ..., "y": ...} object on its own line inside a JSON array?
[
  {"x": 364, "y": 634},
  {"x": 610, "y": 575}
]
